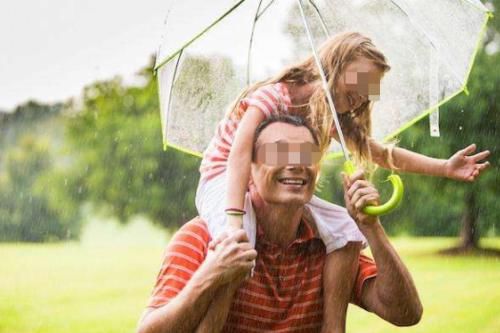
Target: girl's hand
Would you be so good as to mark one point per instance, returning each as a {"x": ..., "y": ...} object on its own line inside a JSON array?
[{"x": 466, "y": 167}]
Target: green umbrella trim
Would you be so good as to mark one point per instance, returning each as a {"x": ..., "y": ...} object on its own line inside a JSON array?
[{"x": 166, "y": 145}]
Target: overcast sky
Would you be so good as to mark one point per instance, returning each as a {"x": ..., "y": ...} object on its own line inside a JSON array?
[{"x": 51, "y": 49}]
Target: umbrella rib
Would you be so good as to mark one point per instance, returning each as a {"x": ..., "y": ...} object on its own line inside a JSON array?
[
  {"x": 423, "y": 31},
  {"x": 321, "y": 19},
  {"x": 324, "y": 82},
  {"x": 168, "y": 58},
  {"x": 167, "y": 121},
  {"x": 251, "y": 42},
  {"x": 264, "y": 9}
]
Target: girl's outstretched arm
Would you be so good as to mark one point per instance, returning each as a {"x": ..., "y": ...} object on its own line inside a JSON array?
[
  {"x": 461, "y": 166},
  {"x": 239, "y": 161}
]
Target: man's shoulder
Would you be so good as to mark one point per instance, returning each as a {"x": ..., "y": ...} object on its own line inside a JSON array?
[
  {"x": 184, "y": 254},
  {"x": 197, "y": 224},
  {"x": 194, "y": 231}
]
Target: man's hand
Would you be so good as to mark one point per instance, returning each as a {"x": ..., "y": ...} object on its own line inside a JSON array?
[
  {"x": 392, "y": 294},
  {"x": 359, "y": 193},
  {"x": 232, "y": 259},
  {"x": 233, "y": 224},
  {"x": 466, "y": 167}
]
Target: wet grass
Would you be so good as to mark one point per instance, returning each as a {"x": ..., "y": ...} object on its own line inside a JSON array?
[
  {"x": 102, "y": 284},
  {"x": 459, "y": 293}
]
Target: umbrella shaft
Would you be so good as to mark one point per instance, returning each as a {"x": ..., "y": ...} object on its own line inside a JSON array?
[{"x": 325, "y": 84}]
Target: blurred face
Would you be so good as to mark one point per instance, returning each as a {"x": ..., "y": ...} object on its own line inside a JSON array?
[
  {"x": 358, "y": 84},
  {"x": 286, "y": 164}
]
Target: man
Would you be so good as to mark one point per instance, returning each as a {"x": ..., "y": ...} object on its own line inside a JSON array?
[{"x": 284, "y": 292}]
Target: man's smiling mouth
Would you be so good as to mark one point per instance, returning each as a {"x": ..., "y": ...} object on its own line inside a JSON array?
[{"x": 292, "y": 181}]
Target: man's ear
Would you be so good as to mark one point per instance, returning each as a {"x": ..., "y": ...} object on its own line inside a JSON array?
[{"x": 257, "y": 200}]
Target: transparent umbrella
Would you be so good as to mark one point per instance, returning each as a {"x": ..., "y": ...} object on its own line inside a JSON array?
[{"x": 211, "y": 50}]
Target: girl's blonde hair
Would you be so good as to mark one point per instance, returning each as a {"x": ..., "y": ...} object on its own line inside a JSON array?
[{"x": 335, "y": 54}]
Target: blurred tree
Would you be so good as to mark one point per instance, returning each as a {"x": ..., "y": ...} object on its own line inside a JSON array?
[
  {"x": 475, "y": 118},
  {"x": 25, "y": 212},
  {"x": 120, "y": 166},
  {"x": 30, "y": 118}
]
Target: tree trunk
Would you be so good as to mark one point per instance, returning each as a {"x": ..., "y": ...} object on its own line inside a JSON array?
[{"x": 470, "y": 233}]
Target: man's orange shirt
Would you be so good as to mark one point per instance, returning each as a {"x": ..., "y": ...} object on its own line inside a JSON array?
[{"x": 285, "y": 292}]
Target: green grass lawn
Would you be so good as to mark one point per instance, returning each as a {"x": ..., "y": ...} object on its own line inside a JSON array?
[{"x": 103, "y": 283}]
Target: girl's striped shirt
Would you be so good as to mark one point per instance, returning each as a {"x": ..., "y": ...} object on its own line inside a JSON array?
[{"x": 272, "y": 99}]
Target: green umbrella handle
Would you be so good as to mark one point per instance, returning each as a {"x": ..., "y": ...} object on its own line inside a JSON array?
[{"x": 394, "y": 200}]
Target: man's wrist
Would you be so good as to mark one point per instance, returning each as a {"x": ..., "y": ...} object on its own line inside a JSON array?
[
  {"x": 371, "y": 229},
  {"x": 206, "y": 278}
]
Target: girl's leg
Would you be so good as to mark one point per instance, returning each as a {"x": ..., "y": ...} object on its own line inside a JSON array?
[
  {"x": 339, "y": 276},
  {"x": 343, "y": 242},
  {"x": 217, "y": 313},
  {"x": 210, "y": 202}
]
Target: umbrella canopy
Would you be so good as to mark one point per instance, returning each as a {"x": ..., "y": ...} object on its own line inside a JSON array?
[{"x": 211, "y": 50}]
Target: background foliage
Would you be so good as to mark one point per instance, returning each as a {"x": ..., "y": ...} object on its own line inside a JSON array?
[{"x": 105, "y": 151}]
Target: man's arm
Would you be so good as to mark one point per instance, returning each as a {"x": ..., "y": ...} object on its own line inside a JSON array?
[
  {"x": 392, "y": 294},
  {"x": 216, "y": 316},
  {"x": 232, "y": 260},
  {"x": 184, "y": 312}
]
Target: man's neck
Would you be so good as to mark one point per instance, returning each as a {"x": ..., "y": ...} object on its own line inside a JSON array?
[{"x": 280, "y": 222}]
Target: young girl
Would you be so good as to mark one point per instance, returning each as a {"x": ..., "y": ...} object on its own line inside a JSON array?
[{"x": 354, "y": 68}]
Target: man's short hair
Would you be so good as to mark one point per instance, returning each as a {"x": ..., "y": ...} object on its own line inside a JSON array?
[{"x": 287, "y": 119}]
